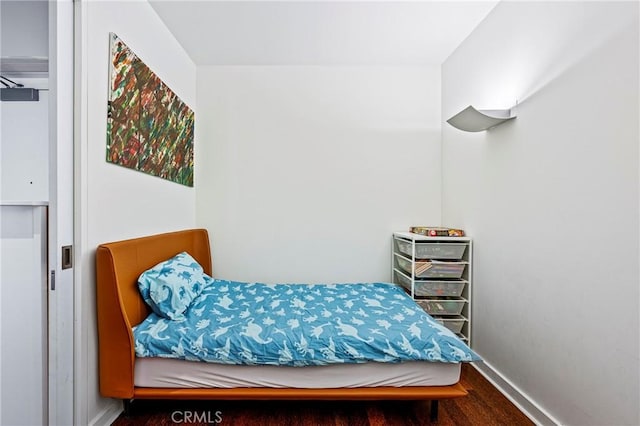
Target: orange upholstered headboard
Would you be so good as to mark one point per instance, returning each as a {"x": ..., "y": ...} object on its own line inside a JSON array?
[{"x": 119, "y": 304}]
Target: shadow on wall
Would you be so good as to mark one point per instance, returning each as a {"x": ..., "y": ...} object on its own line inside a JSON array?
[
  {"x": 559, "y": 65},
  {"x": 523, "y": 64}
]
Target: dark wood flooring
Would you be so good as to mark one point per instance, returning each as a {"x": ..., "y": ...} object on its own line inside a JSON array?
[{"x": 483, "y": 406}]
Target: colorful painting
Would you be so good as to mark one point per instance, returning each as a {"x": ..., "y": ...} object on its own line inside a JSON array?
[{"x": 149, "y": 128}]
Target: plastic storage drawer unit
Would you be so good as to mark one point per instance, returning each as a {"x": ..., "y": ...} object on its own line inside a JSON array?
[{"x": 440, "y": 250}]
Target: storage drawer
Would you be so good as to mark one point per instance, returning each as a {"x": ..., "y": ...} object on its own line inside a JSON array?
[
  {"x": 438, "y": 288},
  {"x": 453, "y": 324},
  {"x": 432, "y": 269},
  {"x": 442, "y": 307},
  {"x": 439, "y": 250},
  {"x": 431, "y": 288},
  {"x": 402, "y": 280}
]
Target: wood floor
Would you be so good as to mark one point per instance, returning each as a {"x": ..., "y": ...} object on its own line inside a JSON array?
[{"x": 484, "y": 406}]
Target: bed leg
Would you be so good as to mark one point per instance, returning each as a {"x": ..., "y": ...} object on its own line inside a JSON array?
[
  {"x": 127, "y": 406},
  {"x": 433, "y": 412}
]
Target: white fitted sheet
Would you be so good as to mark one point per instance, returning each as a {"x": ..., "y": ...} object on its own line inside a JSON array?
[{"x": 174, "y": 373}]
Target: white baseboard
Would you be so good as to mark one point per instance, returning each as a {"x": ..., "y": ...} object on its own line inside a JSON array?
[
  {"x": 530, "y": 408},
  {"x": 108, "y": 414}
]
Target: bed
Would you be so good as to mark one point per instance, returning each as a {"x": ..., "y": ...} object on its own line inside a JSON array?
[{"x": 123, "y": 375}]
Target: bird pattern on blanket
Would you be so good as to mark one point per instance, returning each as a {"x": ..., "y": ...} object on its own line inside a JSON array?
[{"x": 300, "y": 324}]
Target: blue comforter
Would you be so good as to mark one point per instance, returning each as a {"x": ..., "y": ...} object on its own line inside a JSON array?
[{"x": 299, "y": 324}]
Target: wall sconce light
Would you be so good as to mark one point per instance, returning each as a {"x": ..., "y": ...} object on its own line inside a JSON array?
[{"x": 475, "y": 120}]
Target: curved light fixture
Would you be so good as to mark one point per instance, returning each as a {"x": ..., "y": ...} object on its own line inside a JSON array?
[{"x": 475, "y": 120}]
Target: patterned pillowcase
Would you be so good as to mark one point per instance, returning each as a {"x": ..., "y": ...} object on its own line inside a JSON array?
[{"x": 170, "y": 286}]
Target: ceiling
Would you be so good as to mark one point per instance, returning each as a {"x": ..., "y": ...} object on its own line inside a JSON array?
[{"x": 320, "y": 32}]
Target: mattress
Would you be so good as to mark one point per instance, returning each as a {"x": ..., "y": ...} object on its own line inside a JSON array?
[{"x": 174, "y": 373}]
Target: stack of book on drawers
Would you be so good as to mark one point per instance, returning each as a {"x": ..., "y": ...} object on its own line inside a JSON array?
[{"x": 437, "y": 231}]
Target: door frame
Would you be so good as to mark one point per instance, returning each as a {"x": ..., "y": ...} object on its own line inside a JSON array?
[{"x": 61, "y": 213}]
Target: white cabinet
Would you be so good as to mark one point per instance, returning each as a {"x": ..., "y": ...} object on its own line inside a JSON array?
[{"x": 436, "y": 272}]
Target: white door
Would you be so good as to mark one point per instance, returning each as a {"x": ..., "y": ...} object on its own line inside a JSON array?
[
  {"x": 36, "y": 341},
  {"x": 23, "y": 319},
  {"x": 24, "y": 188}
]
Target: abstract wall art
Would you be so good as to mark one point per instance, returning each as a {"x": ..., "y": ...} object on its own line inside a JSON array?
[{"x": 149, "y": 128}]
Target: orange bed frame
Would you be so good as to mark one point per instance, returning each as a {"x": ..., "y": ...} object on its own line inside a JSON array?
[{"x": 120, "y": 307}]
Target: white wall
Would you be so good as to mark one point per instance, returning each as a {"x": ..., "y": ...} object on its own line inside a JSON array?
[
  {"x": 24, "y": 28},
  {"x": 551, "y": 200},
  {"x": 114, "y": 202},
  {"x": 309, "y": 169}
]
